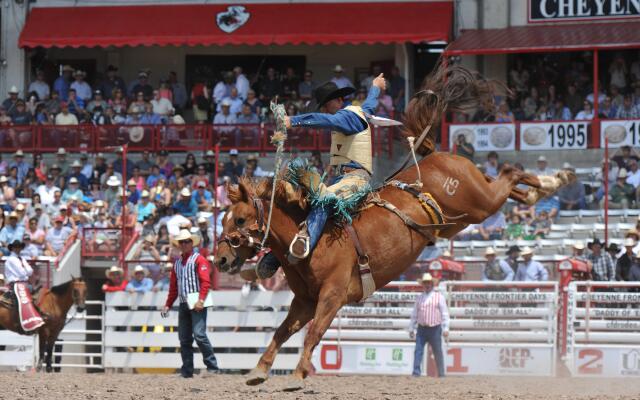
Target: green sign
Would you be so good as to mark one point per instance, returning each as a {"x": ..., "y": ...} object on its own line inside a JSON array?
[
  {"x": 370, "y": 354},
  {"x": 396, "y": 355}
]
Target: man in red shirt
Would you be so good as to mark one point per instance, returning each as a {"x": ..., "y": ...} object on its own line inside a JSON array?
[
  {"x": 190, "y": 274},
  {"x": 115, "y": 282}
]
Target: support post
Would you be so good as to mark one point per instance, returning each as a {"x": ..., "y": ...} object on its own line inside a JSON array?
[
  {"x": 595, "y": 131},
  {"x": 606, "y": 190}
]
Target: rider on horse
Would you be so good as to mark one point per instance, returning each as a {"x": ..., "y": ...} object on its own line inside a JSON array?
[
  {"x": 17, "y": 272},
  {"x": 350, "y": 155}
]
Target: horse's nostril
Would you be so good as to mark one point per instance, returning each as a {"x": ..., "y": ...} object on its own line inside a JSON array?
[{"x": 223, "y": 261}]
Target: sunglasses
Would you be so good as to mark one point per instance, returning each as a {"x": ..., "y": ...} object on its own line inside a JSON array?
[{"x": 184, "y": 241}]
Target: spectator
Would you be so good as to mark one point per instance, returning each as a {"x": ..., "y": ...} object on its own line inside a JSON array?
[
  {"x": 36, "y": 233},
  {"x": 186, "y": 205},
  {"x": 252, "y": 162},
  {"x": 247, "y": 116},
  {"x": 628, "y": 109},
  {"x": 242, "y": 83},
  {"x": 574, "y": 100},
  {"x": 233, "y": 168},
  {"x": 140, "y": 283},
  {"x": 114, "y": 283},
  {"x": 633, "y": 175},
  {"x": 145, "y": 164},
  {"x": 254, "y": 102},
  {"x": 9, "y": 104},
  {"x": 162, "y": 285},
  {"x": 541, "y": 226},
  {"x": 624, "y": 262},
  {"x": 542, "y": 167},
  {"x": 29, "y": 251},
  {"x": 270, "y": 86},
  {"x": 515, "y": 229},
  {"x": 65, "y": 117},
  {"x": 11, "y": 232},
  {"x": 618, "y": 73},
  {"x": 76, "y": 172},
  {"x": 225, "y": 117},
  {"x": 143, "y": 86},
  {"x": 222, "y": 89},
  {"x": 531, "y": 104},
  {"x": 339, "y": 79},
  {"x": 82, "y": 88},
  {"x": 57, "y": 237},
  {"x": 290, "y": 82},
  {"x": 504, "y": 114},
  {"x": 73, "y": 189},
  {"x": 491, "y": 166},
  {"x": 624, "y": 155},
  {"x": 578, "y": 253},
  {"x": 572, "y": 195},
  {"x": 601, "y": 96},
  {"x": 112, "y": 83},
  {"x": 512, "y": 258},
  {"x": 634, "y": 271},
  {"x": 397, "y": 89},
  {"x": 586, "y": 113},
  {"x": 21, "y": 165},
  {"x": 306, "y": 87},
  {"x": 385, "y": 105},
  {"x": 607, "y": 110},
  {"x": 180, "y": 97},
  {"x": 530, "y": 270},
  {"x": 202, "y": 196},
  {"x": 492, "y": 227},
  {"x": 145, "y": 208},
  {"x": 603, "y": 266},
  {"x": 40, "y": 86},
  {"x": 44, "y": 222},
  {"x": 368, "y": 81},
  {"x": 550, "y": 205},
  {"x": 621, "y": 194},
  {"x": 63, "y": 83},
  {"x": 495, "y": 270},
  {"x": 161, "y": 106}
]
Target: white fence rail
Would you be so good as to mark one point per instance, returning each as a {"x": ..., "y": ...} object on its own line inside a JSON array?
[{"x": 18, "y": 351}]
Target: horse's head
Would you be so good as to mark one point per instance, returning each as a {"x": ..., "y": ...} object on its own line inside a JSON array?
[
  {"x": 242, "y": 229},
  {"x": 79, "y": 293}
]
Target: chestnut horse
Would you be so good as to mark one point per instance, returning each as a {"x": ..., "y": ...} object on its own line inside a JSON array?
[
  {"x": 329, "y": 278},
  {"x": 54, "y": 304}
]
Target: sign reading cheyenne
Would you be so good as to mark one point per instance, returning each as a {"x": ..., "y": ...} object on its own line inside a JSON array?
[{"x": 548, "y": 10}]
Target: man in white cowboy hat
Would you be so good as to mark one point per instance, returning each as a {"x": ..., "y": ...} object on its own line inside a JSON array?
[
  {"x": 621, "y": 194},
  {"x": 76, "y": 172},
  {"x": 542, "y": 167},
  {"x": 494, "y": 269},
  {"x": 626, "y": 260},
  {"x": 139, "y": 283},
  {"x": 82, "y": 88},
  {"x": 429, "y": 322},
  {"x": 10, "y": 102},
  {"x": 73, "y": 189},
  {"x": 191, "y": 274},
  {"x": 578, "y": 252},
  {"x": 11, "y": 232},
  {"x": 115, "y": 281},
  {"x": 530, "y": 270},
  {"x": 186, "y": 205},
  {"x": 113, "y": 185},
  {"x": 21, "y": 165},
  {"x": 603, "y": 267},
  {"x": 63, "y": 83},
  {"x": 339, "y": 79}
]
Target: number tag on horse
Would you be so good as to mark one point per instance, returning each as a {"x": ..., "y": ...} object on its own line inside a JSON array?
[{"x": 451, "y": 186}]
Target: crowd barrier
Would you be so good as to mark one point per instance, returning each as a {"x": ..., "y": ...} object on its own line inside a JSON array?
[
  {"x": 193, "y": 137},
  {"x": 18, "y": 351}
]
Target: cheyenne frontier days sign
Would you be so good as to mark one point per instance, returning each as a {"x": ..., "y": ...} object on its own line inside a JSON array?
[{"x": 558, "y": 10}]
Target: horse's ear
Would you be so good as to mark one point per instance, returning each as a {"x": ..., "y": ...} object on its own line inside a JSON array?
[{"x": 238, "y": 193}]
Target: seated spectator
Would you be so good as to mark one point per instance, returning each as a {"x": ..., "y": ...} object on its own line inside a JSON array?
[
  {"x": 586, "y": 113},
  {"x": 30, "y": 251},
  {"x": 133, "y": 193},
  {"x": 560, "y": 111},
  {"x": 203, "y": 197},
  {"x": 550, "y": 205},
  {"x": 76, "y": 105},
  {"x": 492, "y": 227},
  {"x": 65, "y": 117},
  {"x": 628, "y": 109},
  {"x": 603, "y": 266},
  {"x": 252, "y": 162},
  {"x": 504, "y": 114},
  {"x": 607, "y": 110},
  {"x": 186, "y": 205},
  {"x": 73, "y": 189},
  {"x": 541, "y": 226},
  {"x": 162, "y": 284},
  {"x": 464, "y": 148},
  {"x": 491, "y": 166},
  {"x": 57, "y": 237},
  {"x": 385, "y": 105},
  {"x": 190, "y": 164},
  {"x": 145, "y": 208},
  {"x": 44, "y": 222},
  {"x": 495, "y": 270},
  {"x": 623, "y": 155},
  {"x": 530, "y": 270},
  {"x": 247, "y": 116},
  {"x": 515, "y": 228},
  {"x": 206, "y": 235},
  {"x": 148, "y": 255},
  {"x": 76, "y": 172},
  {"x": 224, "y": 116},
  {"x": 139, "y": 282},
  {"x": 235, "y": 102},
  {"x": 162, "y": 106},
  {"x": 36, "y": 234},
  {"x": 114, "y": 283},
  {"x": 572, "y": 195},
  {"x": 11, "y": 232},
  {"x": 254, "y": 102},
  {"x": 633, "y": 174},
  {"x": 471, "y": 232},
  {"x": 163, "y": 241},
  {"x": 621, "y": 194},
  {"x": 98, "y": 101}
]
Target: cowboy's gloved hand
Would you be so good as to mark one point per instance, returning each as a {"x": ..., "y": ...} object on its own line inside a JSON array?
[{"x": 380, "y": 82}]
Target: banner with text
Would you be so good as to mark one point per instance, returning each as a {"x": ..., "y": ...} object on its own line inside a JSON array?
[
  {"x": 606, "y": 361},
  {"x": 499, "y": 360},
  {"x": 364, "y": 358},
  {"x": 554, "y": 135},
  {"x": 620, "y": 133},
  {"x": 484, "y": 137},
  {"x": 550, "y": 10}
]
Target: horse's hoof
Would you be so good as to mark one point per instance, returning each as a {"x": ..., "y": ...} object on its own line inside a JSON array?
[
  {"x": 49, "y": 369},
  {"x": 256, "y": 377},
  {"x": 293, "y": 384}
]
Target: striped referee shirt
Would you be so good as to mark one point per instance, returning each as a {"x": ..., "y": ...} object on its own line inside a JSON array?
[
  {"x": 430, "y": 310},
  {"x": 190, "y": 274}
]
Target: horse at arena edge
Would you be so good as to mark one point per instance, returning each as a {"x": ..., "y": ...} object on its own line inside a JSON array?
[
  {"x": 54, "y": 304},
  {"x": 330, "y": 277}
]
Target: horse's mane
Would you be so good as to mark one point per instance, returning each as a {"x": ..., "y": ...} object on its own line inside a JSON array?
[
  {"x": 286, "y": 194},
  {"x": 61, "y": 288},
  {"x": 449, "y": 87}
]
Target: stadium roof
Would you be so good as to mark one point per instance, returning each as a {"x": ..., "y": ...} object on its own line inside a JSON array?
[
  {"x": 211, "y": 24},
  {"x": 547, "y": 38}
]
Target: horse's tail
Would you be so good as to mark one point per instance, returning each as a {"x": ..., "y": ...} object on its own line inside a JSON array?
[{"x": 449, "y": 87}]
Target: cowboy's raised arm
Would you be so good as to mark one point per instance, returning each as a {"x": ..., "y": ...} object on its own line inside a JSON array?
[{"x": 344, "y": 121}]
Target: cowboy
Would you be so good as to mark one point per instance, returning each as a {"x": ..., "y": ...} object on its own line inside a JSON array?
[
  {"x": 603, "y": 266},
  {"x": 530, "y": 270},
  {"x": 431, "y": 316},
  {"x": 495, "y": 270},
  {"x": 18, "y": 270},
  {"x": 191, "y": 275},
  {"x": 350, "y": 152},
  {"x": 626, "y": 260},
  {"x": 140, "y": 283},
  {"x": 512, "y": 257},
  {"x": 114, "y": 283}
]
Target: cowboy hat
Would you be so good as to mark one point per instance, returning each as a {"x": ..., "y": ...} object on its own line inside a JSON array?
[
  {"x": 490, "y": 251},
  {"x": 113, "y": 270},
  {"x": 613, "y": 248},
  {"x": 61, "y": 151},
  {"x": 20, "y": 207},
  {"x": 13, "y": 90},
  {"x": 578, "y": 245},
  {"x": 327, "y": 92},
  {"x": 185, "y": 192},
  {"x": 594, "y": 241},
  {"x": 19, "y": 153},
  {"x": 1, "y": 277},
  {"x": 184, "y": 234},
  {"x": 526, "y": 251},
  {"x": 136, "y": 134},
  {"x": 113, "y": 181},
  {"x": 178, "y": 120},
  {"x": 446, "y": 253},
  {"x": 622, "y": 174},
  {"x": 76, "y": 164},
  {"x": 202, "y": 220},
  {"x": 426, "y": 277},
  {"x": 67, "y": 68},
  {"x": 512, "y": 249},
  {"x": 150, "y": 238},
  {"x": 139, "y": 268},
  {"x": 15, "y": 244},
  {"x": 144, "y": 194},
  {"x": 629, "y": 242}
]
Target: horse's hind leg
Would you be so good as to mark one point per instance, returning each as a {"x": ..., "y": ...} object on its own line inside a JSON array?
[
  {"x": 50, "y": 344},
  {"x": 299, "y": 314}
]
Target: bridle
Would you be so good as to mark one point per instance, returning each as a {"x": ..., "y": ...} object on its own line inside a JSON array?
[{"x": 251, "y": 236}]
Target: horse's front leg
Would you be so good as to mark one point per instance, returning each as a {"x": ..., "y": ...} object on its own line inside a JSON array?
[
  {"x": 50, "y": 344},
  {"x": 42, "y": 342},
  {"x": 300, "y": 312}
]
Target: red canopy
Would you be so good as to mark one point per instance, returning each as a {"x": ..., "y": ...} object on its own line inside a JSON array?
[
  {"x": 191, "y": 25},
  {"x": 547, "y": 38}
]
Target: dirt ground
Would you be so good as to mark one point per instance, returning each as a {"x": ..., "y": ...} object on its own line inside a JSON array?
[{"x": 163, "y": 387}]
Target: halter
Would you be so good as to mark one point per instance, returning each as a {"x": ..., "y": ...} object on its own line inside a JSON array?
[{"x": 243, "y": 236}]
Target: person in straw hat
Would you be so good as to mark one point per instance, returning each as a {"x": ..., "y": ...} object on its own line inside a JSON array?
[
  {"x": 429, "y": 322},
  {"x": 578, "y": 252},
  {"x": 494, "y": 269},
  {"x": 603, "y": 266},
  {"x": 621, "y": 194},
  {"x": 139, "y": 283},
  {"x": 186, "y": 205},
  {"x": 626, "y": 260},
  {"x": 530, "y": 270},
  {"x": 191, "y": 274},
  {"x": 115, "y": 281}
]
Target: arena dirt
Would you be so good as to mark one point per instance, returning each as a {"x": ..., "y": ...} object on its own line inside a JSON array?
[{"x": 164, "y": 387}]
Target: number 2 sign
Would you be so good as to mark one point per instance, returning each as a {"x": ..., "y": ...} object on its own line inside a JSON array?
[{"x": 589, "y": 362}]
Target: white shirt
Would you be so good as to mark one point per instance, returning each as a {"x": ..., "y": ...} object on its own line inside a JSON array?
[
  {"x": 162, "y": 106},
  {"x": 46, "y": 193},
  {"x": 221, "y": 119},
  {"x": 16, "y": 269},
  {"x": 342, "y": 82},
  {"x": 582, "y": 115},
  {"x": 242, "y": 84},
  {"x": 220, "y": 91},
  {"x": 173, "y": 224},
  {"x": 236, "y": 105},
  {"x": 68, "y": 119},
  {"x": 83, "y": 90},
  {"x": 633, "y": 178},
  {"x": 40, "y": 87}
]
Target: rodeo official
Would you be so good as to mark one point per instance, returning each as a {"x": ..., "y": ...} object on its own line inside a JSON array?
[
  {"x": 190, "y": 275},
  {"x": 431, "y": 316}
]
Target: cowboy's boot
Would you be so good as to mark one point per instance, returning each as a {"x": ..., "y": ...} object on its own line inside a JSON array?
[
  {"x": 305, "y": 241},
  {"x": 267, "y": 266}
]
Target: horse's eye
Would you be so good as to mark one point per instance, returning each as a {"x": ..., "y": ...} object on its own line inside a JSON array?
[{"x": 240, "y": 221}]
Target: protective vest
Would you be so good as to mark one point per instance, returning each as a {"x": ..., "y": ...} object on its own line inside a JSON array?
[
  {"x": 493, "y": 271},
  {"x": 347, "y": 148}
]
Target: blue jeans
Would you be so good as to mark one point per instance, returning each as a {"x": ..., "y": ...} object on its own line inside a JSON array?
[
  {"x": 433, "y": 336},
  {"x": 192, "y": 324}
]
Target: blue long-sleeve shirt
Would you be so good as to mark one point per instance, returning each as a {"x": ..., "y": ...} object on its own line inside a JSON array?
[
  {"x": 188, "y": 210},
  {"x": 145, "y": 285}
]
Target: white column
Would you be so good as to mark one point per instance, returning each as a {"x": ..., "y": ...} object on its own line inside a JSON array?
[{"x": 12, "y": 58}]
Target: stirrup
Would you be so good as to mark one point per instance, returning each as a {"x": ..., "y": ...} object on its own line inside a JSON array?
[{"x": 303, "y": 239}]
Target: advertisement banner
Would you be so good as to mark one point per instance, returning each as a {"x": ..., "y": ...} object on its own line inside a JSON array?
[
  {"x": 485, "y": 137},
  {"x": 363, "y": 358},
  {"x": 569, "y": 10},
  {"x": 554, "y": 135},
  {"x": 620, "y": 133},
  {"x": 606, "y": 361},
  {"x": 499, "y": 360}
]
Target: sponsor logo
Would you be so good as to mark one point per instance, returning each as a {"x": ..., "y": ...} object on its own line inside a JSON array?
[
  {"x": 514, "y": 358},
  {"x": 396, "y": 354},
  {"x": 631, "y": 363},
  {"x": 232, "y": 19},
  {"x": 370, "y": 354}
]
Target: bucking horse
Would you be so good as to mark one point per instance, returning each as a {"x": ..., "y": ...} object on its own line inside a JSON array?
[{"x": 391, "y": 228}]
